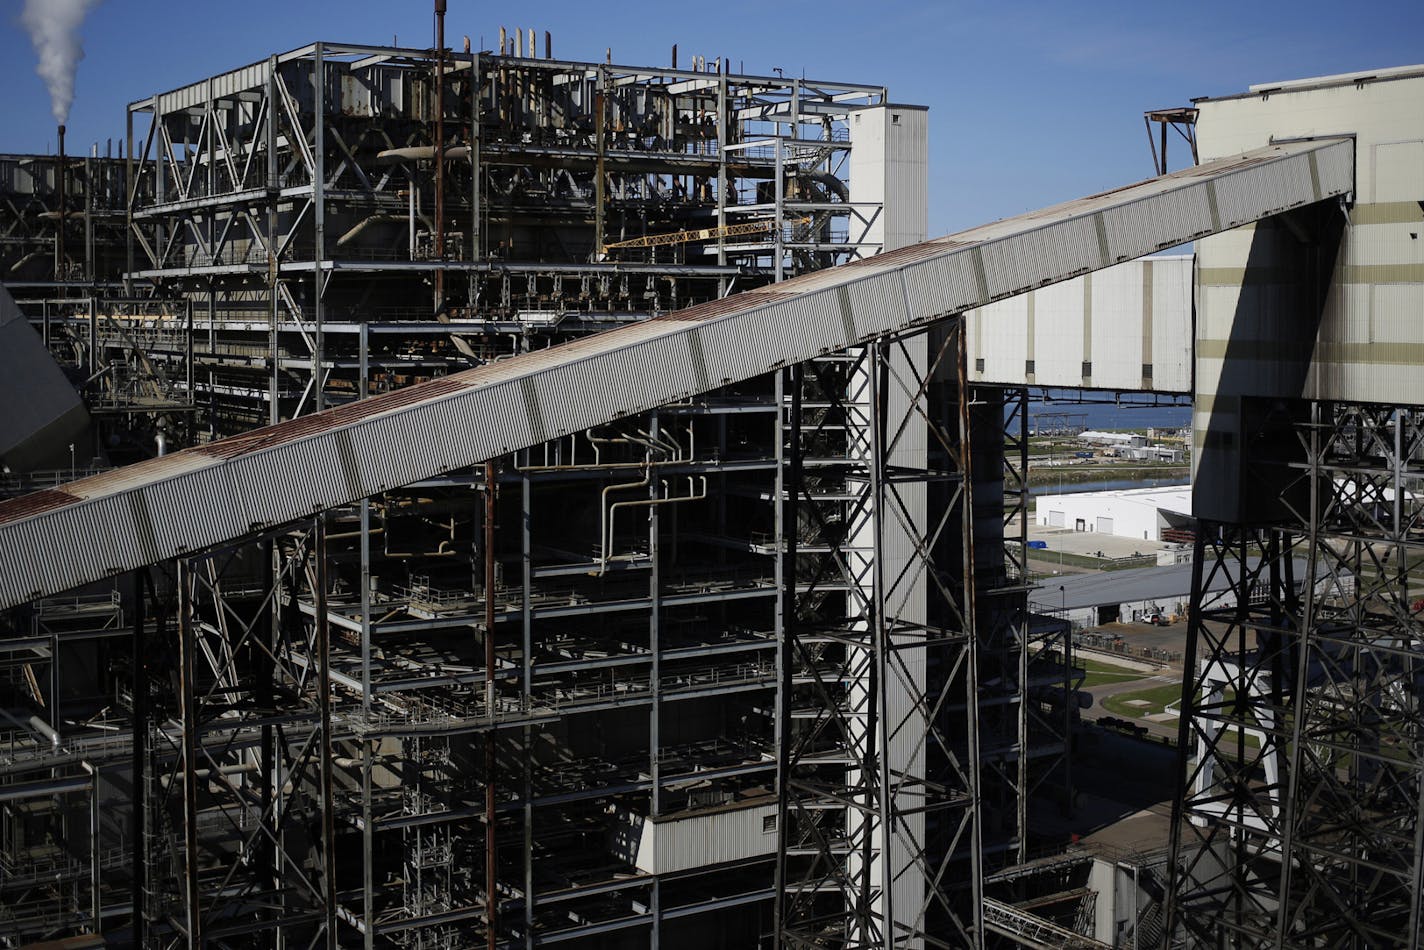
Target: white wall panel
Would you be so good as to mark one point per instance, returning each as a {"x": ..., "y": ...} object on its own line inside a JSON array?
[{"x": 1123, "y": 320}]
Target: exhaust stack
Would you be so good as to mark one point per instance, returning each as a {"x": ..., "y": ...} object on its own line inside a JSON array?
[{"x": 60, "y": 176}]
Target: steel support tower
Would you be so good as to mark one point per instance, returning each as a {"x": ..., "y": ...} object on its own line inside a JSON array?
[{"x": 1299, "y": 822}]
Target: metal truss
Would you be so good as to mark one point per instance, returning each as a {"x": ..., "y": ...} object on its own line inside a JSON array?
[
  {"x": 879, "y": 761},
  {"x": 237, "y": 784},
  {"x": 30, "y": 222},
  {"x": 1019, "y": 663},
  {"x": 298, "y": 201},
  {"x": 1299, "y": 820}
]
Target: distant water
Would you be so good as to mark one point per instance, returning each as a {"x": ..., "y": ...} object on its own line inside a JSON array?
[{"x": 1113, "y": 416}]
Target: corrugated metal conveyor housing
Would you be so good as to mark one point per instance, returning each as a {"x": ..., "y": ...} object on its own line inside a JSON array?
[{"x": 54, "y": 540}]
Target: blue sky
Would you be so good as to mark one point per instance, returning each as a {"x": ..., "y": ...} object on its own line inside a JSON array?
[{"x": 1031, "y": 102}]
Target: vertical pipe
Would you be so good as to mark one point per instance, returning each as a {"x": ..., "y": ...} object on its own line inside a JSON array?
[
  {"x": 599, "y": 137},
  {"x": 187, "y": 697},
  {"x": 188, "y": 378},
  {"x": 1300, "y": 724},
  {"x": 363, "y": 360},
  {"x": 129, "y": 192},
  {"x": 323, "y": 687},
  {"x": 787, "y": 499},
  {"x": 368, "y": 871},
  {"x": 971, "y": 665},
  {"x": 475, "y": 135},
  {"x": 319, "y": 222},
  {"x": 526, "y": 547},
  {"x": 654, "y": 677},
  {"x": 138, "y": 761},
  {"x": 274, "y": 411},
  {"x": 491, "y": 862},
  {"x": 93, "y": 337},
  {"x": 439, "y": 143},
  {"x": 724, "y": 135},
  {"x": 96, "y": 853},
  {"x": 778, "y": 216},
  {"x": 365, "y": 533},
  {"x": 879, "y": 639},
  {"x": 1018, "y": 399},
  {"x": 63, "y": 186},
  {"x": 268, "y": 861},
  {"x": 89, "y": 219}
]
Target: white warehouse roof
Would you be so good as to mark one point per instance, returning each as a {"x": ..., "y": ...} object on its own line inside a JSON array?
[{"x": 1127, "y": 513}]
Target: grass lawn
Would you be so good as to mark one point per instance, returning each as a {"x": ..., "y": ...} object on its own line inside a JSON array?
[
  {"x": 1042, "y": 556},
  {"x": 1156, "y": 697},
  {"x": 1100, "y": 674}
]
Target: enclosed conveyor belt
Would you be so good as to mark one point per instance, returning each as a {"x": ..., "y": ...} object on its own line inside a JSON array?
[{"x": 55, "y": 540}]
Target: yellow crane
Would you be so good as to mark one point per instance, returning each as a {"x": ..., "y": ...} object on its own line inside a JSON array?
[{"x": 699, "y": 234}]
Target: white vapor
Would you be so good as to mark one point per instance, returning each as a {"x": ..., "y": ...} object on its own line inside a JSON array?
[{"x": 53, "y": 26}]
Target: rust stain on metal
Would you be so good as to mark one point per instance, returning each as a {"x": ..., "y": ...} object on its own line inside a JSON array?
[
  {"x": 293, "y": 429},
  {"x": 35, "y": 503}
]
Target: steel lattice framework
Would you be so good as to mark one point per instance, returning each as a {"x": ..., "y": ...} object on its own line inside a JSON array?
[
  {"x": 880, "y": 765},
  {"x": 888, "y": 606},
  {"x": 1300, "y": 820}
]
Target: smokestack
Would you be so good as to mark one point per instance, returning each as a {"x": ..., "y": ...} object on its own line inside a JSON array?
[{"x": 63, "y": 197}]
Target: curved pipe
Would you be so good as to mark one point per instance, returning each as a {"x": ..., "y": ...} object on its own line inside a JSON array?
[
  {"x": 418, "y": 153},
  {"x": 360, "y": 226},
  {"x": 603, "y": 509},
  {"x": 15, "y": 267},
  {"x": 832, "y": 183},
  {"x": 667, "y": 499}
]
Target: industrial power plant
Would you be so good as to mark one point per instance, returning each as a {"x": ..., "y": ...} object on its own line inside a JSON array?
[{"x": 460, "y": 497}]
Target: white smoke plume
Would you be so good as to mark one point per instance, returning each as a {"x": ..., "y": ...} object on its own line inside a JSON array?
[{"x": 53, "y": 26}]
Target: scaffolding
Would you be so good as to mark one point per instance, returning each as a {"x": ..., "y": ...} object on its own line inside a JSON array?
[
  {"x": 1298, "y": 822},
  {"x": 294, "y": 203}
]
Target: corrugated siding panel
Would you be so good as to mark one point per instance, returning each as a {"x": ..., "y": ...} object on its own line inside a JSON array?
[
  {"x": 877, "y": 304},
  {"x": 104, "y": 540},
  {"x": 999, "y": 336},
  {"x": 228, "y": 84},
  {"x": 1172, "y": 344},
  {"x": 705, "y": 840},
  {"x": 1030, "y": 260},
  {"x": 1117, "y": 327},
  {"x": 1138, "y": 226},
  {"x": 288, "y": 481},
  {"x": 1241, "y": 196},
  {"x": 942, "y": 286},
  {"x": 27, "y": 544},
  {"x": 1058, "y": 334},
  {"x": 210, "y": 492},
  {"x": 1336, "y": 164}
]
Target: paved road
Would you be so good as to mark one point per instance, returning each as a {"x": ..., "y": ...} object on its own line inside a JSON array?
[{"x": 1150, "y": 681}]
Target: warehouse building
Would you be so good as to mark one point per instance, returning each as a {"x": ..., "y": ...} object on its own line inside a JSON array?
[{"x": 1149, "y": 514}]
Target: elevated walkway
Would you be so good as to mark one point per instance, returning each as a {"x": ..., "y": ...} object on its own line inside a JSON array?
[{"x": 53, "y": 540}]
